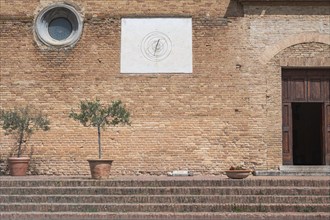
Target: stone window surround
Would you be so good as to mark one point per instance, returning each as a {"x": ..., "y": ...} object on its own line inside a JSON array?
[{"x": 57, "y": 10}]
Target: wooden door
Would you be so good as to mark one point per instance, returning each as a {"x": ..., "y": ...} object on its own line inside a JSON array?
[
  {"x": 327, "y": 132},
  {"x": 287, "y": 134},
  {"x": 326, "y": 129},
  {"x": 304, "y": 86}
]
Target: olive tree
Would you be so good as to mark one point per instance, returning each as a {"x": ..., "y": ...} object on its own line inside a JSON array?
[
  {"x": 95, "y": 114},
  {"x": 22, "y": 123}
]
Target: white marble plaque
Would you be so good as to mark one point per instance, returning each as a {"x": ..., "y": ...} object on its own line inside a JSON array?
[{"x": 156, "y": 45}]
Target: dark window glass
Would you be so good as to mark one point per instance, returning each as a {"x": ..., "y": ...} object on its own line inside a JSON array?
[{"x": 60, "y": 28}]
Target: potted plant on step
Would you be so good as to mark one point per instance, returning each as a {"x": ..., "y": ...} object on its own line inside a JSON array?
[
  {"x": 94, "y": 114},
  {"x": 22, "y": 123},
  {"x": 237, "y": 172}
]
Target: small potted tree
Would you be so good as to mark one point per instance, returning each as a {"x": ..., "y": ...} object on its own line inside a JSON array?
[
  {"x": 22, "y": 123},
  {"x": 95, "y": 114}
]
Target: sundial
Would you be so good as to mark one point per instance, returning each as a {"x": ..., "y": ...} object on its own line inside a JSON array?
[{"x": 156, "y": 46}]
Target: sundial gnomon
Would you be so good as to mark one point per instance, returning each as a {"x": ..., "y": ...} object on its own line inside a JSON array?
[{"x": 156, "y": 46}]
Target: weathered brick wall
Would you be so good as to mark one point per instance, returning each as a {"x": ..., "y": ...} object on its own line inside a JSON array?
[{"x": 228, "y": 111}]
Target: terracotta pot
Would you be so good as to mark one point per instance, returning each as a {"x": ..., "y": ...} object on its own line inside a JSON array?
[
  {"x": 237, "y": 174},
  {"x": 18, "y": 165},
  {"x": 100, "y": 169}
]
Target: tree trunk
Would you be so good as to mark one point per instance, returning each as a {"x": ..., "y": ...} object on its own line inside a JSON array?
[
  {"x": 99, "y": 141},
  {"x": 20, "y": 142}
]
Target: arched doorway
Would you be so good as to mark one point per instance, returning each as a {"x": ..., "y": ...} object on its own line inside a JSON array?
[{"x": 306, "y": 116}]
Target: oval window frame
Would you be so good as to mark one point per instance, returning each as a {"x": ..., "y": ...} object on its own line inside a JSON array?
[{"x": 48, "y": 14}]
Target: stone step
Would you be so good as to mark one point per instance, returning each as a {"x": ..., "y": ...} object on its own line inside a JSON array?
[
  {"x": 163, "y": 216},
  {"x": 166, "y": 183},
  {"x": 163, "y": 199},
  {"x": 162, "y": 207},
  {"x": 305, "y": 170},
  {"x": 164, "y": 191},
  {"x": 296, "y": 170}
]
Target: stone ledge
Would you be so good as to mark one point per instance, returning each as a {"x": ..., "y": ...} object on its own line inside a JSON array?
[
  {"x": 294, "y": 170},
  {"x": 285, "y": 2}
]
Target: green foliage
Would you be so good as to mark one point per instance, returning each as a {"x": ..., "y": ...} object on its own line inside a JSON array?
[
  {"x": 237, "y": 168},
  {"x": 94, "y": 114},
  {"x": 22, "y": 123}
]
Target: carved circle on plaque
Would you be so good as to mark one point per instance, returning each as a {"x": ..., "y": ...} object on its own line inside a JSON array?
[{"x": 156, "y": 46}]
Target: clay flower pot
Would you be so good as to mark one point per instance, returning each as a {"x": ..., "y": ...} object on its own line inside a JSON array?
[
  {"x": 100, "y": 169},
  {"x": 18, "y": 165},
  {"x": 95, "y": 114},
  {"x": 237, "y": 174}
]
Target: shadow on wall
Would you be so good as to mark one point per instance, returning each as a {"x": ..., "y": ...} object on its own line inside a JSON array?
[
  {"x": 236, "y": 8},
  {"x": 3, "y": 167},
  {"x": 32, "y": 170}
]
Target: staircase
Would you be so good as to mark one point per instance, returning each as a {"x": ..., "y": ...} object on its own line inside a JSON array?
[{"x": 203, "y": 198}]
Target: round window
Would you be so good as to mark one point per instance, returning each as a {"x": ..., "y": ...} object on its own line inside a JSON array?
[
  {"x": 60, "y": 28},
  {"x": 59, "y": 25}
]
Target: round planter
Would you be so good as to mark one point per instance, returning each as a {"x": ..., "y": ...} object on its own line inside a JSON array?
[
  {"x": 237, "y": 174},
  {"x": 100, "y": 169},
  {"x": 18, "y": 165}
]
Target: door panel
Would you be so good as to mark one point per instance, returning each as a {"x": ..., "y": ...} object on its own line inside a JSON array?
[
  {"x": 326, "y": 88},
  {"x": 285, "y": 90},
  {"x": 298, "y": 89},
  {"x": 315, "y": 89},
  {"x": 327, "y": 133},
  {"x": 306, "y": 85},
  {"x": 286, "y": 134}
]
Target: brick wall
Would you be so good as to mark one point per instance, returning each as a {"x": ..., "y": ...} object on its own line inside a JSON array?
[{"x": 228, "y": 111}]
